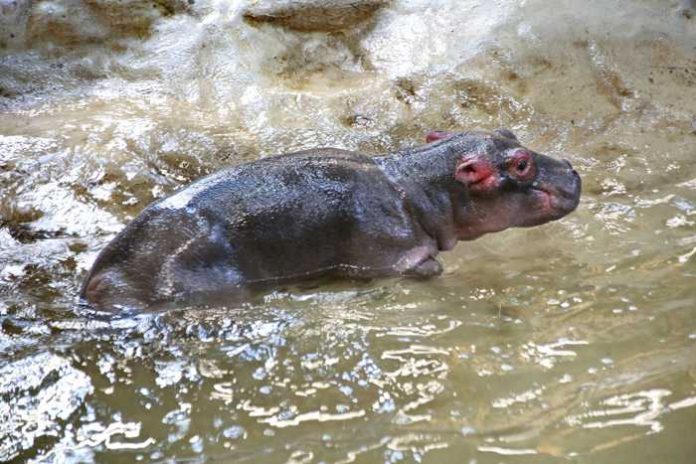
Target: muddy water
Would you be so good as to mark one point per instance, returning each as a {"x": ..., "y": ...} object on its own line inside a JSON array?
[{"x": 572, "y": 341}]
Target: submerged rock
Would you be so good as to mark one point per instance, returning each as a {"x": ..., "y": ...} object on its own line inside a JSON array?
[{"x": 314, "y": 15}]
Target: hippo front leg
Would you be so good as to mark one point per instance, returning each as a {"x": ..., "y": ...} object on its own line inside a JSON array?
[
  {"x": 428, "y": 268},
  {"x": 419, "y": 263}
]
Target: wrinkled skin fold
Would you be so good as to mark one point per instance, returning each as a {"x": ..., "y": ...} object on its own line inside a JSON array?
[{"x": 328, "y": 213}]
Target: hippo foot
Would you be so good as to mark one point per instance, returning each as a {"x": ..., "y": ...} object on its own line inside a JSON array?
[{"x": 428, "y": 268}]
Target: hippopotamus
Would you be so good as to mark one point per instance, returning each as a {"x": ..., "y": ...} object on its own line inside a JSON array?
[{"x": 328, "y": 212}]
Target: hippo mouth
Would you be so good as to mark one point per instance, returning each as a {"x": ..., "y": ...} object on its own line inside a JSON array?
[
  {"x": 544, "y": 196},
  {"x": 558, "y": 202}
]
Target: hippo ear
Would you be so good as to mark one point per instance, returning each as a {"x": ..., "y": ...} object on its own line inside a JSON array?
[
  {"x": 433, "y": 136},
  {"x": 505, "y": 133},
  {"x": 477, "y": 173}
]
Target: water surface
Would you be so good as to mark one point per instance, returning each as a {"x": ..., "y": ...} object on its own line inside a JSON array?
[{"x": 575, "y": 341}]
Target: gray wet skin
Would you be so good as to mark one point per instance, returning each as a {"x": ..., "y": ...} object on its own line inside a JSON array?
[{"x": 328, "y": 212}]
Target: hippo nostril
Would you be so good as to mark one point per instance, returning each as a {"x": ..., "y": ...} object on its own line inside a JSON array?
[{"x": 570, "y": 166}]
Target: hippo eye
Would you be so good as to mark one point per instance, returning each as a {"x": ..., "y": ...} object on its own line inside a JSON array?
[{"x": 520, "y": 165}]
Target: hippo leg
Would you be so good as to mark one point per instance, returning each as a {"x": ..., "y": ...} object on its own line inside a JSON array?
[
  {"x": 201, "y": 265},
  {"x": 419, "y": 263},
  {"x": 428, "y": 268}
]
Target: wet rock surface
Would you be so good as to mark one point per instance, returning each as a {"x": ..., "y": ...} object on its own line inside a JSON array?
[
  {"x": 314, "y": 15},
  {"x": 573, "y": 341},
  {"x": 687, "y": 8},
  {"x": 13, "y": 22},
  {"x": 71, "y": 22}
]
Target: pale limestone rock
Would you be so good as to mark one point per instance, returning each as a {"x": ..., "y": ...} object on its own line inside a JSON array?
[
  {"x": 13, "y": 22},
  {"x": 687, "y": 8}
]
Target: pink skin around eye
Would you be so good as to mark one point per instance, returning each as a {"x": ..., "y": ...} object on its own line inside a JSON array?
[{"x": 521, "y": 165}]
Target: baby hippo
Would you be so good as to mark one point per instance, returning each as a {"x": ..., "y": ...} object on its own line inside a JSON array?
[{"x": 328, "y": 212}]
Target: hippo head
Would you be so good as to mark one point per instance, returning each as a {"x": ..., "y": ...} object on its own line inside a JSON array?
[{"x": 506, "y": 184}]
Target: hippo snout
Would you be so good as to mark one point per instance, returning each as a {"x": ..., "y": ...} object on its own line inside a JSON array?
[
  {"x": 566, "y": 191},
  {"x": 570, "y": 166}
]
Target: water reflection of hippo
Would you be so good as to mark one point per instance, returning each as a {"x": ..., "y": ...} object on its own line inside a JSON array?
[{"x": 329, "y": 212}]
